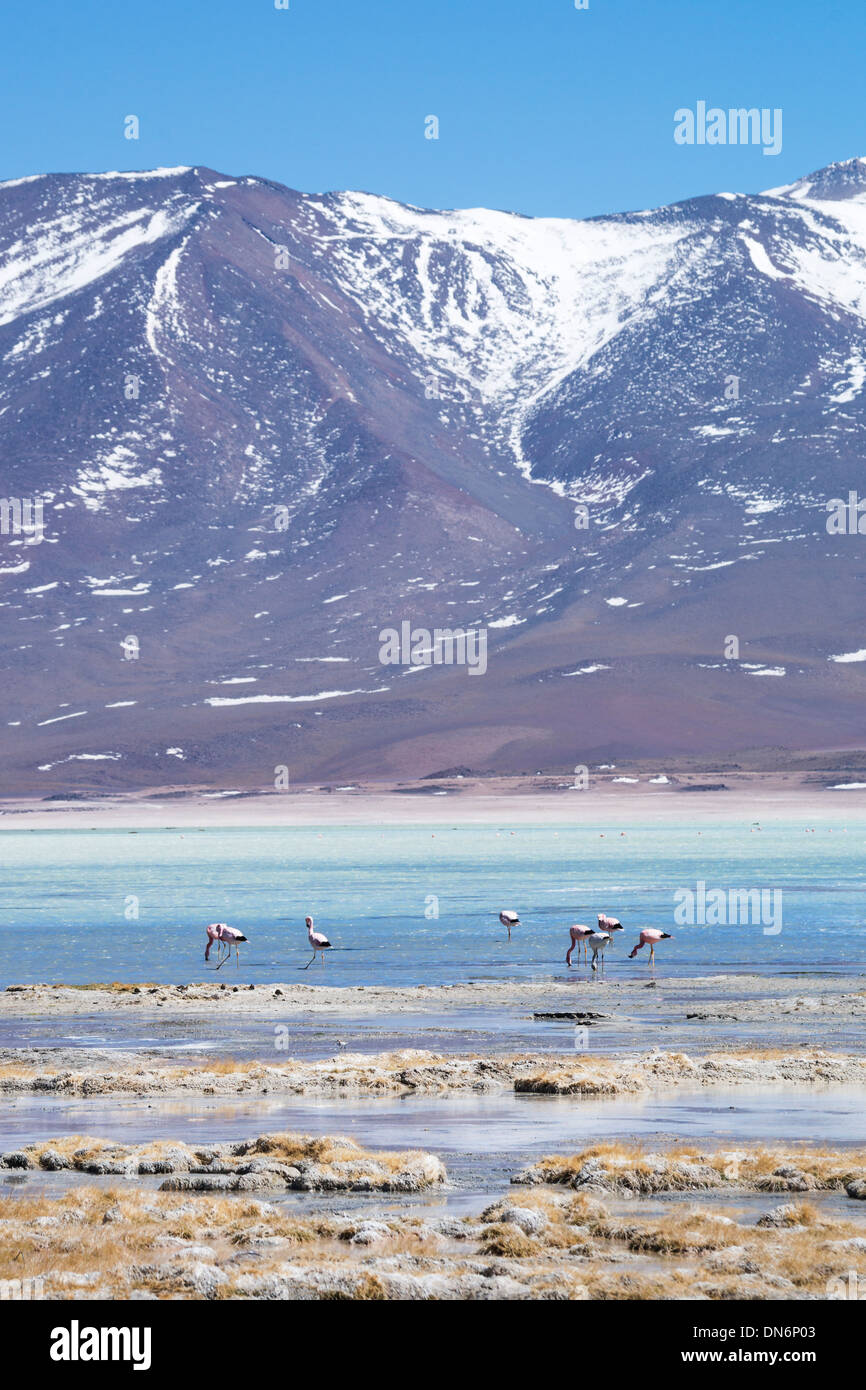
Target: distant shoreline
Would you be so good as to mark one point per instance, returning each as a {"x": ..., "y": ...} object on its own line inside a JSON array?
[{"x": 706, "y": 798}]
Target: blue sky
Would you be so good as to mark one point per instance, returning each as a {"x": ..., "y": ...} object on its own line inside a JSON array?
[{"x": 543, "y": 109}]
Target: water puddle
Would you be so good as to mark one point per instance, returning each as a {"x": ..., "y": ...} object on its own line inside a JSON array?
[
  {"x": 497, "y": 1122},
  {"x": 482, "y": 1139}
]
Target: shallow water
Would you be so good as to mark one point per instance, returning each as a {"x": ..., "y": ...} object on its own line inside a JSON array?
[
  {"x": 68, "y": 899},
  {"x": 494, "y": 1122},
  {"x": 482, "y": 1139},
  {"x": 310, "y": 1037}
]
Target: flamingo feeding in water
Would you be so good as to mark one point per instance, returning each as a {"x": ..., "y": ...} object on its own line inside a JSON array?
[
  {"x": 649, "y": 938},
  {"x": 509, "y": 920},
  {"x": 598, "y": 940},
  {"x": 578, "y": 934},
  {"x": 225, "y": 937},
  {"x": 318, "y": 942}
]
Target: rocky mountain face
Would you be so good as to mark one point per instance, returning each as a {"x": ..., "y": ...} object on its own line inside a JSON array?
[{"x": 264, "y": 427}]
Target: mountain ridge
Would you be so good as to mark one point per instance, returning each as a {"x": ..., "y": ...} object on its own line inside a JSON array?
[{"x": 427, "y": 400}]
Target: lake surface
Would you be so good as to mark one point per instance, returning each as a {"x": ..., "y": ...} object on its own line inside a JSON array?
[{"x": 419, "y": 905}]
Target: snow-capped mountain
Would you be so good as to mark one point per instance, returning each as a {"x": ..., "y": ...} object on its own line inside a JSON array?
[{"x": 266, "y": 425}]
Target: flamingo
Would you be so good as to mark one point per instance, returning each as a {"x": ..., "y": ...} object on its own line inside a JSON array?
[
  {"x": 509, "y": 920},
  {"x": 578, "y": 935},
  {"x": 318, "y": 942},
  {"x": 225, "y": 937},
  {"x": 608, "y": 923},
  {"x": 649, "y": 938},
  {"x": 598, "y": 940}
]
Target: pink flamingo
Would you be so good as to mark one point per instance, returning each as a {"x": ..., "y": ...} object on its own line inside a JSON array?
[
  {"x": 649, "y": 938},
  {"x": 225, "y": 937},
  {"x": 608, "y": 923},
  {"x": 578, "y": 934},
  {"x": 317, "y": 941}
]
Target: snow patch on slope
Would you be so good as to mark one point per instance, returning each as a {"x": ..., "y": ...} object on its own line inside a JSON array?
[
  {"x": 72, "y": 253},
  {"x": 501, "y": 307}
]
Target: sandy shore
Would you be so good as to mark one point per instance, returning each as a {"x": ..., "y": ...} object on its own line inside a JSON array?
[
  {"x": 488, "y": 1018},
  {"x": 728, "y": 997},
  {"x": 545, "y": 800}
]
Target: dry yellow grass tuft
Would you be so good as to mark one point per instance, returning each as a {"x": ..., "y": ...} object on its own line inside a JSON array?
[
  {"x": 94, "y": 1242},
  {"x": 508, "y": 1241},
  {"x": 224, "y": 1066},
  {"x": 687, "y": 1167},
  {"x": 417, "y": 1071}
]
